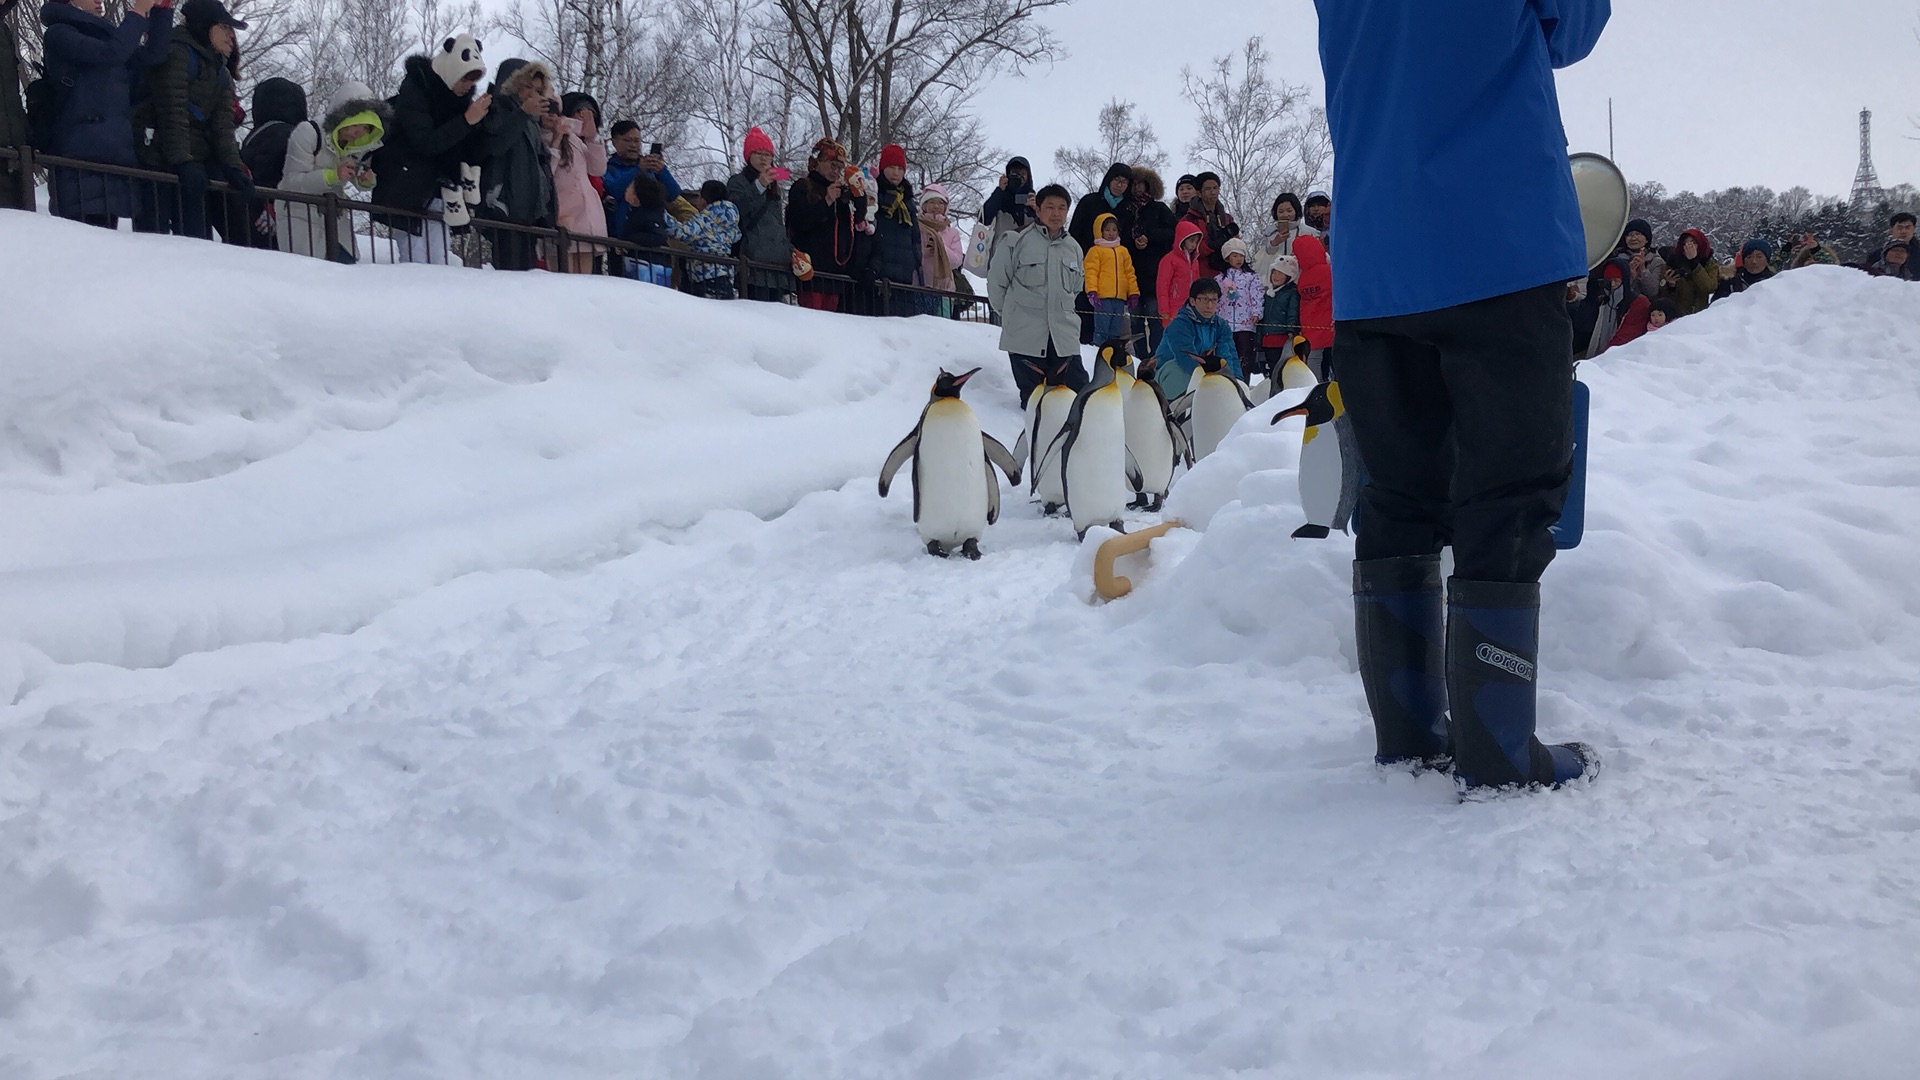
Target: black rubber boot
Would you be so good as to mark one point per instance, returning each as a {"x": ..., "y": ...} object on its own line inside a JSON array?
[
  {"x": 1400, "y": 628},
  {"x": 1493, "y": 644}
]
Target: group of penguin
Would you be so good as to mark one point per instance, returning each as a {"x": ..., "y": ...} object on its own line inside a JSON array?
[{"x": 1108, "y": 448}]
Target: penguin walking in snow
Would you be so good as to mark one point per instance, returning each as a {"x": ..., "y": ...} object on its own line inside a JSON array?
[
  {"x": 955, "y": 494},
  {"x": 1045, "y": 480},
  {"x": 1216, "y": 402},
  {"x": 1328, "y": 479},
  {"x": 1156, "y": 442},
  {"x": 1095, "y": 469}
]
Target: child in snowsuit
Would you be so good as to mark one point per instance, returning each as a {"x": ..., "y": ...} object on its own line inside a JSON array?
[
  {"x": 1112, "y": 288},
  {"x": 646, "y": 225},
  {"x": 1279, "y": 315},
  {"x": 1179, "y": 268},
  {"x": 1241, "y": 302},
  {"x": 326, "y": 158},
  {"x": 713, "y": 230}
]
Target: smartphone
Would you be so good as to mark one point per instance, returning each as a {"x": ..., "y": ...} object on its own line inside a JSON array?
[{"x": 657, "y": 149}]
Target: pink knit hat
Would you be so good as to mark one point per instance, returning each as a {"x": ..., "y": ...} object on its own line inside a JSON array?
[
  {"x": 756, "y": 140},
  {"x": 932, "y": 192}
]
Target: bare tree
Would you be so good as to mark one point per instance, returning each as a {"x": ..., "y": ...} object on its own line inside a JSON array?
[
  {"x": 617, "y": 51},
  {"x": 725, "y": 94},
  {"x": 872, "y": 72},
  {"x": 1260, "y": 136},
  {"x": 1124, "y": 136}
]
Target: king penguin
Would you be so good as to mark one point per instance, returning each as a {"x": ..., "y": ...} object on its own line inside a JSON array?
[
  {"x": 1323, "y": 468},
  {"x": 955, "y": 494},
  {"x": 1095, "y": 469},
  {"x": 1219, "y": 401},
  {"x": 1155, "y": 440},
  {"x": 1045, "y": 479},
  {"x": 1295, "y": 374}
]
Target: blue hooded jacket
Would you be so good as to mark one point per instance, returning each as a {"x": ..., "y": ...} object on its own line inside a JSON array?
[
  {"x": 1438, "y": 110},
  {"x": 1188, "y": 335}
]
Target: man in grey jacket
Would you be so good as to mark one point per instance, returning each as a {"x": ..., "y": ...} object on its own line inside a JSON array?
[{"x": 1034, "y": 276}]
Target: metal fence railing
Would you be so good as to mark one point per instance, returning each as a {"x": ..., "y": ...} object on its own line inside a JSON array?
[{"x": 352, "y": 230}]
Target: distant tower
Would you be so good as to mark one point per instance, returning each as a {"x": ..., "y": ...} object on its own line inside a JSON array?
[{"x": 1866, "y": 183}]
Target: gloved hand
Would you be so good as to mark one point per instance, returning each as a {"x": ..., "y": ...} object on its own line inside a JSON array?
[
  {"x": 1092, "y": 297},
  {"x": 1133, "y": 301},
  {"x": 242, "y": 181}
]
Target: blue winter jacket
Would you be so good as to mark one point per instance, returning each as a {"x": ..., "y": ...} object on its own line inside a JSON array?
[
  {"x": 1444, "y": 109},
  {"x": 104, "y": 62},
  {"x": 1188, "y": 335},
  {"x": 614, "y": 181}
]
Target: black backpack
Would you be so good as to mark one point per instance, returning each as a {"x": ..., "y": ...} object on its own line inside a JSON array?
[
  {"x": 46, "y": 98},
  {"x": 265, "y": 151}
]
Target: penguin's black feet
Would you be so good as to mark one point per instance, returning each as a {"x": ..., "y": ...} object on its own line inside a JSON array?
[
  {"x": 1117, "y": 526},
  {"x": 936, "y": 549},
  {"x": 1312, "y": 532},
  {"x": 1050, "y": 509},
  {"x": 1159, "y": 503},
  {"x": 1140, "y": 502},
  {"x": 971, "y": 549}
]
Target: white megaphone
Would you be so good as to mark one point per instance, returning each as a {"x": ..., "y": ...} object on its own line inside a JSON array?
[{"x": 1605, "y": 204}]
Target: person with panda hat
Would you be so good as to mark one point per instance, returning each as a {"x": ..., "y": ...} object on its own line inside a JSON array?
[{"x": 431, "y": 160}]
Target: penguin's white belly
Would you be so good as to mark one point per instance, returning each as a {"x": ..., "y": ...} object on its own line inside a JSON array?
[
  {"x": 1216, "y": 408},
  {"x": 1148, "y": 438},
  {"x": 1096, "y": 473},
  {"x": 1053, "y": 417},
  {"x": 950, "y": 479},
  {"x": 1320, "y": 476}
]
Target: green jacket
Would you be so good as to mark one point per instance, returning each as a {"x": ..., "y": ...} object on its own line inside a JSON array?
[
  {"x": 1693, "y": 289},
  {"x": 187, "y": 103},
  {"x": 13, "y": 114}
]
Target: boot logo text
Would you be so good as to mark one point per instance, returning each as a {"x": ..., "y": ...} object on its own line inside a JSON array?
[{"x": 1505, "y": 661}]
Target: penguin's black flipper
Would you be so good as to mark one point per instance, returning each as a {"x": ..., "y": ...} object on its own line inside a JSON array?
[
  {"x": 1054, "y": 448},
  {"x": 1312, "y": 532},
  {"x": 993, "y": 492},
  {"x": 1135, "y": 478},
  {"x": 902, "y": 454},
  {"x": 997, "y": 455}
]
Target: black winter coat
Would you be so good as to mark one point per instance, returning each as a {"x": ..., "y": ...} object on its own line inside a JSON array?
[
  {"x": 824, "y": 231},
  {"x": 188, "y": 103},
  {"x": 13, "y": 110},
  {"x": 426, "y": 144},
  {"x": 1006, "y": 200},
  {"x": 102, "y": 63},
  {"x": 763, "y": 230},
  {"x": 647, "y": 228},
  {"x": 896, "y": 242},
  {"x": 1153, "y": 220},
  {"x": 516, "y": 183}
]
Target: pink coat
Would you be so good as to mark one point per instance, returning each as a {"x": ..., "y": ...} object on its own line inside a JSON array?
[{"x": 580, "y": 209}]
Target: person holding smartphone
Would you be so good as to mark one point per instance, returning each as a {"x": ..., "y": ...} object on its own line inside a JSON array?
[
  {"x": 99, "y": 61},
  {"x": 1012, "y": 197}
]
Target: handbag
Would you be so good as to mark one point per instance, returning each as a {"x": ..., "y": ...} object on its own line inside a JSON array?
[{"x": 979, "y": 248}]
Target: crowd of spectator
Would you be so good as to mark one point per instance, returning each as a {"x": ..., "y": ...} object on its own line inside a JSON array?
[{"x": 519, "y": 159}]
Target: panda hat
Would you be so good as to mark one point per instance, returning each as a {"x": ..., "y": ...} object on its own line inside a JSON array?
[{"x": 458, "y": 58}]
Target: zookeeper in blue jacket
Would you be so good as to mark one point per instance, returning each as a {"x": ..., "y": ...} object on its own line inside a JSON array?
[{"x": 1459, "y": 385}]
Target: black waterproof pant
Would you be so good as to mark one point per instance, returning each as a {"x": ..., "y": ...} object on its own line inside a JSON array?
[
  {"x": 1074, "y": 373},
  {"x": 1464, "y": 419}
]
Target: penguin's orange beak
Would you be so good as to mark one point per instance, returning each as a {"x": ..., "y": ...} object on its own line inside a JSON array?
[{"x": 1297, "y": 410}]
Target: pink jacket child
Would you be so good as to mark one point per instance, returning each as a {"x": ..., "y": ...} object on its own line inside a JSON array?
[
  {"x": 942, "y": 248},
  {"x": 578, "y": 157}
]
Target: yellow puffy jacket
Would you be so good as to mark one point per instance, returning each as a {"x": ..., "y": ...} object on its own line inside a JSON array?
[{"x": 1109, "y": 270}]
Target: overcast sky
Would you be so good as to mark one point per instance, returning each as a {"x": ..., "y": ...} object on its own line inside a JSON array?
[
  {"x": 1704, "y": 93},
  {"x": 1704, "y": 96}
]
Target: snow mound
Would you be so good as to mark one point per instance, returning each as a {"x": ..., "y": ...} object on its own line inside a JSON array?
[
  {"x": 280, "y": 447},
  {"x": 547, "y": 692}
]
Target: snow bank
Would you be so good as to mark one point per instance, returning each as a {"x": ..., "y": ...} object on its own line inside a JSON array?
[
  {"x": 220, "y": 447},
  {"x": 660, "y": 748}
]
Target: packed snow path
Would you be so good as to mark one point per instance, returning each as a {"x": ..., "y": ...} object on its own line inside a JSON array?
[{"x": 415, "y": 673}]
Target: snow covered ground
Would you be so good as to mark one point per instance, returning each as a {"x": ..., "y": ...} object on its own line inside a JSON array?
[{"x": 426, "y": 673}]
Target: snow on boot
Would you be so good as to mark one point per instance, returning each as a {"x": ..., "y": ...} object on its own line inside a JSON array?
[
  {"x": 1493, "y": 643},
  {"x": 1399, "y": 624}
]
